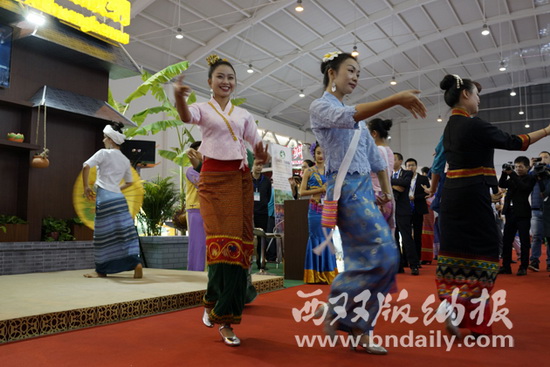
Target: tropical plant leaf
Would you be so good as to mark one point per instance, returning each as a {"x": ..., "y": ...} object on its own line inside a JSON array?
[
  {"x": 238, "y": 101},
  {"x": 181, "y": 158},
  {"x": 141, "y": 116},
  {"x": 113, "y": 103},
  {"x": 190, "y": 137},
  {"x": 192, "y": 98},
  {"x": 168, "y": 154},
  {"x": 145, "y": 75},
  {"x": 163, "y": 76},
  {"x": 153, "y": 128}
]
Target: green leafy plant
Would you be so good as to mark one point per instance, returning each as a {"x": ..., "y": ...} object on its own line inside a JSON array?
[
  {"x": 154, "y": 84},
  {"x": 54, "y": 229},
  {"x": 159, "y": 198},
  {"x": 11, "y": 219}
]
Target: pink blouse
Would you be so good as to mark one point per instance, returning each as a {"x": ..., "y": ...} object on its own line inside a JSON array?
[
  {"x": 387, "y": 155},
  {"x": 218, "y": 140}
]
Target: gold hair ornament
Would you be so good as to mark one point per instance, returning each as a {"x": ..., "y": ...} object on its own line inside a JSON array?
[{"x": 214, "y": 59}]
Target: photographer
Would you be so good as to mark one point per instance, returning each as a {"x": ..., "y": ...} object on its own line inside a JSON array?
[
  {"x": 517, "y": 211},
  {"x": 541, "y": 169}
]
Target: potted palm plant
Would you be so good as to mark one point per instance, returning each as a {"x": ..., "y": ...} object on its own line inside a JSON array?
[
  {"x": 160, "y": 196},
  {"x": 165, "y": 252}
]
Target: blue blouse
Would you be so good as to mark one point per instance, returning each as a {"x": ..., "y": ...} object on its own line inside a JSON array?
[
  {"x": 333, "y": 125},
  {"x": 313, "y": 182}
]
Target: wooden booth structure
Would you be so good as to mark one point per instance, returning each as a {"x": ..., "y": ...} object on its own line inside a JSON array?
[{"x": 66, "y": 73}]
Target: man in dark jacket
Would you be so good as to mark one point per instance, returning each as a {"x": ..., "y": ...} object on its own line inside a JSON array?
[
  {"x": 417, "y": 198},
  {"x": 401, "y": 182},
  {"x": 517, "y": 211}
]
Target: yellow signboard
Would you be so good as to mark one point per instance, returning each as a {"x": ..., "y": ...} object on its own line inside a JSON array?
[{"x": 116, "y": 10}]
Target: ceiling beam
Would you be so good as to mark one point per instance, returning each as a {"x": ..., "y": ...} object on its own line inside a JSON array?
[
  {"x": 221, "y": 38},
  {"x": 316, "y": 44},
  {"x": 450, "y": 63}
]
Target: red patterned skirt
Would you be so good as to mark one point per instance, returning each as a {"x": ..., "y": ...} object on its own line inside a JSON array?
[{"x": 227, "y": 207}]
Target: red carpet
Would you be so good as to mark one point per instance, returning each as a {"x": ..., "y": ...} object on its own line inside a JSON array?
[{"x": 268, "y": 335}]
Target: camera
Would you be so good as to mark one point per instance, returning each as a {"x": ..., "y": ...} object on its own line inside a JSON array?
[
  {"x": 508, "y": 166},
  {"x": 541, "y": 170},
  {"x": 536, "y": 159}
]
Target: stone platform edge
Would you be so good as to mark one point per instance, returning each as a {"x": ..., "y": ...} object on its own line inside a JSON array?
[{"x": 57, "y": 322}]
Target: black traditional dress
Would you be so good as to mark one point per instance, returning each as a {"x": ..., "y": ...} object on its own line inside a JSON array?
[{"x": 468, "y": 259}]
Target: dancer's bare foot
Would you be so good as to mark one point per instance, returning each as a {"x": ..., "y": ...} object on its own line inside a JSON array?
[
  {"x": 95, "y": 275},
  {"x": 138, "y": 272}
]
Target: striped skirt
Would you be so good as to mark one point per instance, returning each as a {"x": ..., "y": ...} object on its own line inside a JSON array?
[
  {"x": 227, "y": 207},
  {"x": 116, "y": 244},
  {"x": 370, "y": 254}
]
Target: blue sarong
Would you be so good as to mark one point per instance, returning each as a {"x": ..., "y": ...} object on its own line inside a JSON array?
[
  {"x": 318, "y": 268},
  {"x": 371, "y": 258},
  {"x": 116, "y": 244}
]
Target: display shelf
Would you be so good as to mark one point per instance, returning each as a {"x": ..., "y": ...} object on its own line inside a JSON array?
[{"x": 4, "y": 143}]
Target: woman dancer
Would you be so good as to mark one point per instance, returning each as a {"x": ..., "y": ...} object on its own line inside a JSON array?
[
  {"x": 468, "y": 259},
  {"x": 116, "y": 244},
  {"x": 225, "y": 193},
  {"x": 379, "y": 130},
  {"x": 370, "y": 254},
  {"x": 318, "y": 268}
]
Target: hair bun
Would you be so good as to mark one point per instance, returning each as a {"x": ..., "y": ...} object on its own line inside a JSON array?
[
  {"x": 447, "y": 82},
  {"x": 117, "y": 126},
  {"x": 387, "y": 124}
]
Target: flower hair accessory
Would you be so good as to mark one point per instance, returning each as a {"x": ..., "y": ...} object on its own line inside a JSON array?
[
  {"x": 458, "y": 81},
  {"x": 331, "y": 56},
  {"x": 312, "y": 148},
  {"x": 214, "y": 59}
]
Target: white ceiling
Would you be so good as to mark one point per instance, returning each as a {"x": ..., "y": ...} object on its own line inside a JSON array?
[{"x": 418, "y": 41}]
